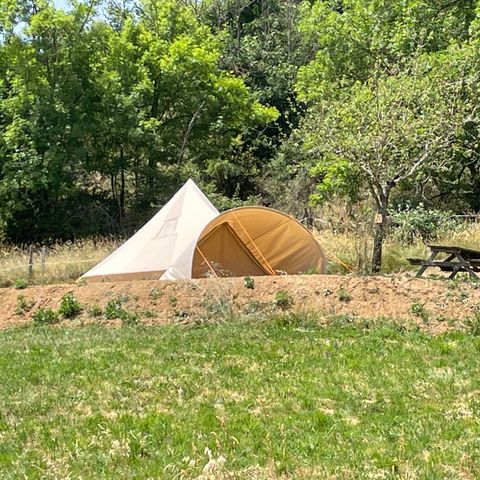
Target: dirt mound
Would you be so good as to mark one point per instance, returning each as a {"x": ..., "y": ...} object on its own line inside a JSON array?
[{"x": 434, "y": 304}]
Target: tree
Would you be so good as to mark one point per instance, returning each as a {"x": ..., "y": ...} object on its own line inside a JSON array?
[
  {"x": 387, "y": 131},
  {"x": 355, "y": 39},
  {"x": 116, "y": 112}
]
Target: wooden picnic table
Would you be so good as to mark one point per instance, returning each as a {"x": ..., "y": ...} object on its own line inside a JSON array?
[{"x": 458, "y": 259}]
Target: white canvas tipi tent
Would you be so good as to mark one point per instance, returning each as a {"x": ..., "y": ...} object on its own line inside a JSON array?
[{"x": 164, "y": 246}]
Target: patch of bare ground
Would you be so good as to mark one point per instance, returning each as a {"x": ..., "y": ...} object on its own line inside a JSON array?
[{"x": 435, "y": 305}]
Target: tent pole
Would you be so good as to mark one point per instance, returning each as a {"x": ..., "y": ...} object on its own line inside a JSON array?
[
  {"x": 206, "y": 261},
  {"x": 272, "y": 271}
]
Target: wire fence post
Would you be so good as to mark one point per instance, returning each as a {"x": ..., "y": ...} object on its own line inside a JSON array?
[
  {"x": 30, "y": 261},
  {"x": 43, "y": 258}
]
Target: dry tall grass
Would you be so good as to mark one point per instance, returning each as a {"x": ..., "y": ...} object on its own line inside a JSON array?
[
  {"x": 63, "y": 262},
  {"x": 351, "y": 252},
  {"x": 347, "y": 253}
]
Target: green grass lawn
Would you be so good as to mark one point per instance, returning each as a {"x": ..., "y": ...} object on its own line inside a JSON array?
[{"x": 273, "y": 399}]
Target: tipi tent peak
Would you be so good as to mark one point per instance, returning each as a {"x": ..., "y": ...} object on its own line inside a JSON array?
[{"x": 161, "y": 241}]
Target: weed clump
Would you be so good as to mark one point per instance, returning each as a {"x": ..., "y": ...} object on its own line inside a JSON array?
[
  {"x": 154, "y": 294},
  {"x": 23, "y": 305},
  {"x": 220, "y": 307},
  {"x": 419, "y": 311},
  {"x": 283, "y": 299},
  {"x": 20, "y": 284},
  {"x": 45, "y": 316},
  {"x": 249, "y": 282},
  {"x": 114, "y": 310},
  {"x": 472, "y": 323},
  {"x": 94, "y": 311},
  {"x": 69, "y": 306},
  {"x": 295, "y": 320},
  {"x": 343, "y": 295}
]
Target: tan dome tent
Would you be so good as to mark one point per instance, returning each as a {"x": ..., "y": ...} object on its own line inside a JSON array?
[{"x": 255, "y": 241}]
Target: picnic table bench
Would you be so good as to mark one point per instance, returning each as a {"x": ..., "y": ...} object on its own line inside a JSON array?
[{"x": 458, "y": 259}]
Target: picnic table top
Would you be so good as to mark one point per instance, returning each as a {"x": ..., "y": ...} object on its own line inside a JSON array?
[{"x": 464, "y": 252}]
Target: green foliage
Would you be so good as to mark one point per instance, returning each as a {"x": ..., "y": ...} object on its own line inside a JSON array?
[
  {"x": 411, "y": 224},
  {"x": 343, "y": 295},
  {"x": 472, "y": 323},
  {"x": 283, "y": 299},
  {"x": 420, "y": 311},
  {"x": 23, "y": 305},
  {"x": 249, "y": 282},
  {"x": 336, "y": 176},
  {"x": 94, "y": 311},
  {"x": 69, "y": 306},
  {"x": 104, "y": 113},
  {"x": 20, "y": 284},
  {"x": 45, "y": 316},
  {"x": 113, "y": 309},
  {"x": 155, "y": 294},
  {"x": 354, "y": 38}
]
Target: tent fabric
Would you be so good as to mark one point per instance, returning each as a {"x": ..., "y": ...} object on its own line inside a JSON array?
[
  {"x": 256, "y": 241},
  {"x": 224, "y": 254},
  {"x": 162, "y": 242}
]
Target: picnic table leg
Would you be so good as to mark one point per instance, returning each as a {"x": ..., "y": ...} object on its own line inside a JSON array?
[
  {"x": 424, "y": 267},
  {"x": 454, "y": 272},
  {"x": 465, "y": 266}
]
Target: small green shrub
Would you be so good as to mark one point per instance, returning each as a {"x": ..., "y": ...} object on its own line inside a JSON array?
[
  {"x": 419, "y": 311},
  {"x": 155, "y": 294},
  {"x": 20, "y": 284},
  {"x": 419, "y": 223},
  {"x": 69, "y": 306},
  {"x": 472, "y": 323},
  {"x": 45, "y": 316},
  {"x": 23, "y": 305},
  {"x": 173, "y": 300},
  {"x": 217, "y": 307},
  {"x": 114, "y": 309},
  {"x": 94, "y": 311},
  {"x": 249, "y": 282},
  {"x": 283, "y": 299},
  {"x": 343, "y": 295},
  {"x": 129, "y": 318}
]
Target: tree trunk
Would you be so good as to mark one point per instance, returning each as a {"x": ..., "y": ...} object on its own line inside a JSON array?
[
  {"x": 379, "y": 234},
  {"x": 378, "y": 237},
  {"x": 121, "y": 198},
  {"x": 152, "y": 161}
]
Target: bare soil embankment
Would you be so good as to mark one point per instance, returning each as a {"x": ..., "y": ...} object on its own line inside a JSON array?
[{"x": 436, "y": 305}]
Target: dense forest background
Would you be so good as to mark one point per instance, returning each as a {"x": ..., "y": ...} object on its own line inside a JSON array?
[{"x": 107, "y": 107}]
